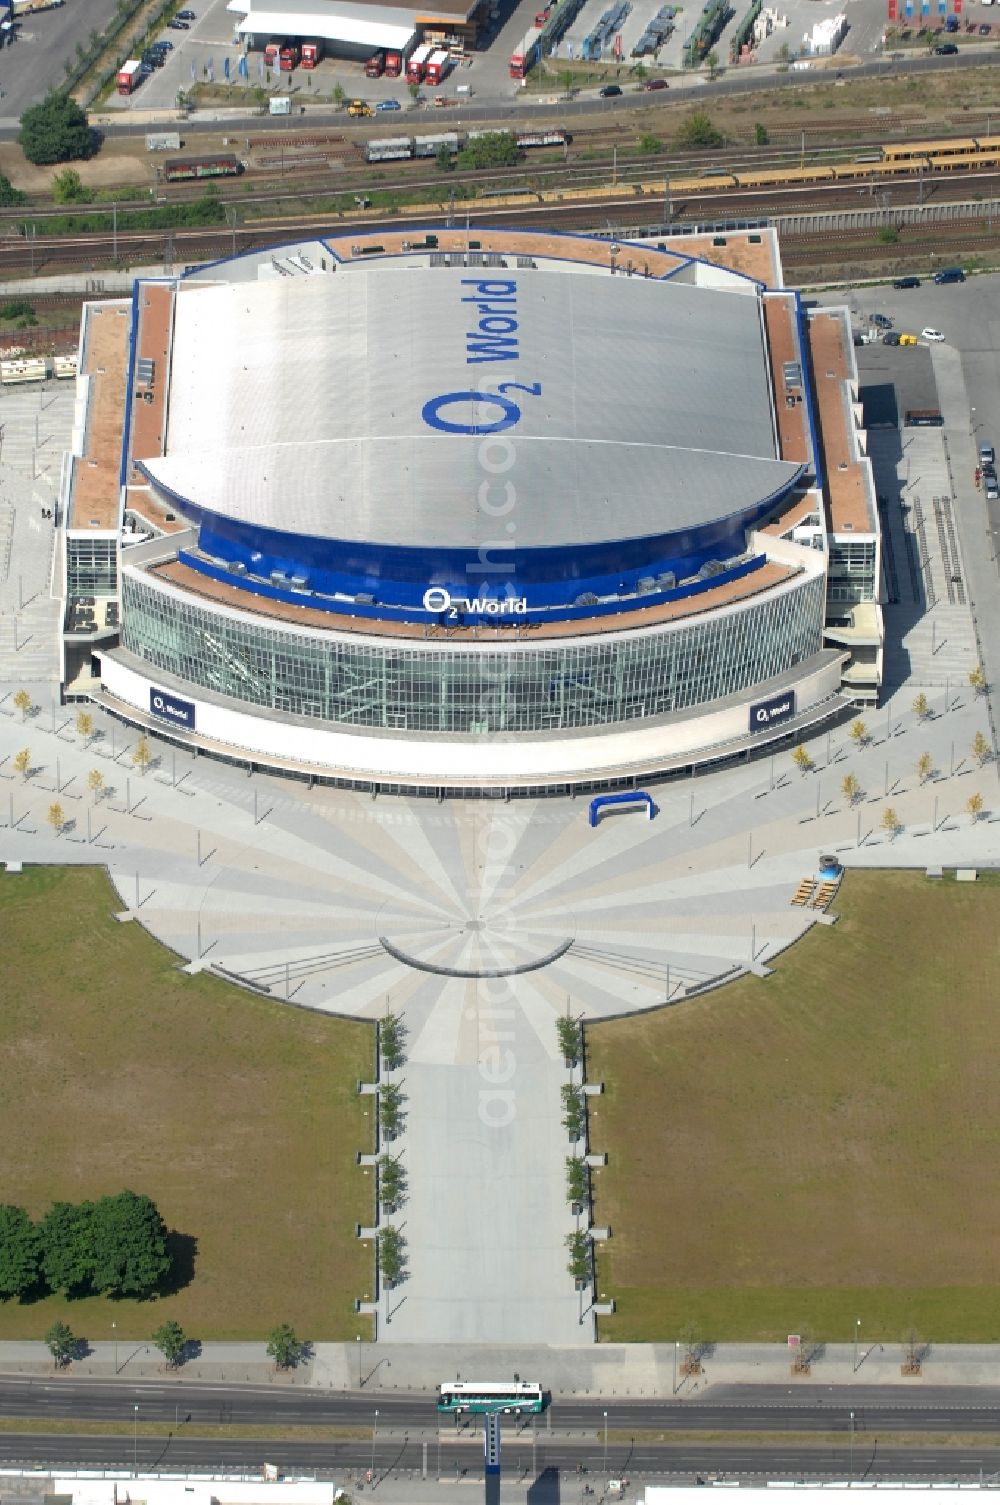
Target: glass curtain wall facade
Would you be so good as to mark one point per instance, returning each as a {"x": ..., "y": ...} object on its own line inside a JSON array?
[
  {"x": 91, "y": 566},
  {"x": 597, "y": 681}
]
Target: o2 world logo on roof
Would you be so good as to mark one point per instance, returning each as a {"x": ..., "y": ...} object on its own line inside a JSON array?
[{"x": 494, "y": 338}]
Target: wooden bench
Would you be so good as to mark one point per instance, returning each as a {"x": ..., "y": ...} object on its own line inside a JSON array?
[{"x": 804, "y": 891}]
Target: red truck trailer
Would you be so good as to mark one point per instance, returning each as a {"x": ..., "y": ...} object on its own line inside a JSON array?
[
  {"x": 272, "y": 52},
  {"x": 128, "y": 76},
  {"x": 375, "y": 66},
  {"x": 290, "y": 56},
  {"x": 393, "y": 64},
  {"x": 437, "y": 66},
  {"x": 311, "y": 53},
  {"x": 417, "y": 63}
]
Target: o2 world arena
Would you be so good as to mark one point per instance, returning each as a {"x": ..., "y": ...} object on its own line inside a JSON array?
[{"x": 514, "y": 515}]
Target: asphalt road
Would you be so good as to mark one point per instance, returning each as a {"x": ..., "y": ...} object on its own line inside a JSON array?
[
  {"x": 876, "y": 1410},
  {"x": 736, "y": 82},
  {"x": 401, "y": 1455}
]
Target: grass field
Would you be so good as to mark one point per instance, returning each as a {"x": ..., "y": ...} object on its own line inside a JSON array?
[
  {"x": 238, "y": 1116},
  {"x": 790, "y": 1155}
]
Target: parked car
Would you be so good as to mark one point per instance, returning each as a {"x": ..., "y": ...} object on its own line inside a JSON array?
[
  {"x": 186, "y": 15},
  {"x": 881, "y": 321},
  {"x": 890, "y": 338},
  {"x": 987, "y": 456},
  {"x": 176, "y": 25},
  {"x": 992, "y": 489},
  {"x": 655, "y": 83},
  {"x": 946, "y": 49},
  {"x": 162, "y": 46},
  {"x": 986, "y": 29},
  {"x": 388, "y": 104},
  {"x": 610, "y": 91},
  {"x": 932, "y": 336},
  {"x": 949, "y": 274},
  {"x": 902, "y": 282}
]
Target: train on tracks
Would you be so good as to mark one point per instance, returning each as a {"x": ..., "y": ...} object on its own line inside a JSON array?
[
  {"x": 902, "y": 160},
  {"x": 402, "y": 148}
]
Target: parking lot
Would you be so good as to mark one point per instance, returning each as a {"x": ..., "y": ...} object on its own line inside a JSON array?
[{"x": 30, "y": 67}]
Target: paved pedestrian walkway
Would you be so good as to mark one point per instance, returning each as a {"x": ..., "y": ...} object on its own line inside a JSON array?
[{"x": 636, "y": 1371}]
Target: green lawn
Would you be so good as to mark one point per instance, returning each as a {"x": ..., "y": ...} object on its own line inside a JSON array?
[
  {"x": 238, "y": 1116},
  {"x": 790, "y": 1155}
]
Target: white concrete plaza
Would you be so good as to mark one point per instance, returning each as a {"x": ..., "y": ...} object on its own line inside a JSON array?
[{"x": 481, "y": 922}]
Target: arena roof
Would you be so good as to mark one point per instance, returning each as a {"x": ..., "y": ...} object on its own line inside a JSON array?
[{"x": 299, "y": 406}]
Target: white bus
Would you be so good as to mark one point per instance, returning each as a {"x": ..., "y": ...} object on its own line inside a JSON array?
[{"x": 479, "y": 1397}]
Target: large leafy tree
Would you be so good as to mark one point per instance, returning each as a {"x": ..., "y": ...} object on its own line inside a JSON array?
[
  {"x": 56, "y": 130},
  {"x": 20, "y": 1247},
  {"x": 66, "y": 1233},
  {"x": 130, "y": 1254}
]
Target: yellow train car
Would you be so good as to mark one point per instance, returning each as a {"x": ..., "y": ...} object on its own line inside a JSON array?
[
  {"x": 866, "y": 172},
  {"x": 969, "y": 162},
  {"x": 988, "y": 143},
  {"x": 712, "y": 184},
  {"x": 789, "y": 177},
  {"x": 904, "y": 150}
]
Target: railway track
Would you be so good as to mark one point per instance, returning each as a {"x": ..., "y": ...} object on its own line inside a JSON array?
[{"x": 147, "y": 247}]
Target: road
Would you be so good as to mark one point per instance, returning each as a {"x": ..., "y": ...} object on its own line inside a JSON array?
[
  {"x": 747, "y": 81},
  {"x": 766, "y": 1408},
  {"x": 398, "y": 1454}
]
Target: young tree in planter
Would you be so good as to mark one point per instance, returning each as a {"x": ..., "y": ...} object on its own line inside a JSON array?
[
  {"x": 171, "y": 1340},
  {"x": 61, "y": 1343},
  {"x": 568, "y": 1031},
  {"x": 391, "y": 1254},
  {"x": 390, "y": 1109},
  {"x": 391, "y": 1183},
  {"x": 391, "y": 1034},
  {"x": 578, "y": 1263},
  {"x": 980, "y": 748},
  {"x": 851, "y": 788},
  {"x": 283, "y": 1346},
  {"x": 921, "y": 706},
  {"x": 574, "y": 1111},
  {"x": 801, "y": 758},
  {"x": 577, "y": 1180}
]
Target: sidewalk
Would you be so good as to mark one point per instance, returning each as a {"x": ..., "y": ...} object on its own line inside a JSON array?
[{"x": 606, "y": 1370}]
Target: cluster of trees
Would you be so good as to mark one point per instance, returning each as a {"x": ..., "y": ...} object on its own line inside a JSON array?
[
  {"x": 56, "y": 130},
  {"x": 116, "y": 1246},
  {"x": 207, "y": 210}
]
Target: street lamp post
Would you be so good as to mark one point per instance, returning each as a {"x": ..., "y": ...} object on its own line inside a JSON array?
[
  {"x": 374, "y": 1435},
  {"x": 605, "y": 1444},
  {"x": 851, "y": 1473},
  {"x": 114, "y": 1330},
  {"x": 857, "y": 1325},
  {"x": 135, "y": 1443}
]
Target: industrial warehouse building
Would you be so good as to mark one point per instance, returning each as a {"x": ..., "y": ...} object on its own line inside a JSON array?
[
  {"x": 358, "y": 28},
  {"x": 519, "y": 515}
]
